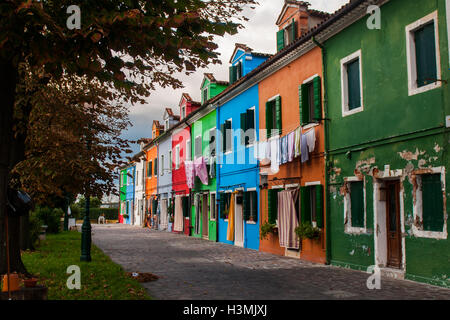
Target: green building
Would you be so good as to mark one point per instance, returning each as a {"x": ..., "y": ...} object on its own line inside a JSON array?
[
  {"x": 123, "y": 193},
  {"x": 203, "y": 137},
  {"x": 387, "y": 143}
]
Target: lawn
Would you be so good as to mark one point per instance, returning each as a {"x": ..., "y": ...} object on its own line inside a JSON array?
[{"x": 101, "y": 279}]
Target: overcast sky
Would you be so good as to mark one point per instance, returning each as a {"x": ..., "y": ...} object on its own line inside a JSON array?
[{"x": 259, "y": 34}]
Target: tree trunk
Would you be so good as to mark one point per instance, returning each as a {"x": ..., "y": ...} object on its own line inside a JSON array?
[{"x": 8, "y": 81}]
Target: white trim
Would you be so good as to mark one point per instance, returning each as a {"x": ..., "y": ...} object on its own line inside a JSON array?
[
  {"x": 411, "y": 54},
  {"x": 348, "y": 212},
  {"x": 239, "y": 189},
  {"x": 273, "y": 98},
  {"x": 188, "y": 150},
  {"x": 280, "y": 186},
  {"x": 293, "y": 185},
  {"x": 344, "y": 83},
  {"x": 310, "y": 79},
  {"x": 251, "y": 189},
  {"x": 310, "y": 125},
  {"x": 418, "y": 207},
  {"x": 313, "y": 183},
  {"x": 228, "y": 191}
]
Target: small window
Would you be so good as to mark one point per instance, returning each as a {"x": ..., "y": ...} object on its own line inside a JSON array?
[
  {"x": 205, "y": 95},
  {"x": 355, "y": 206},
  {"x": 250, "y": 206},
  {"x": 183, "y": 112},
  {"x": 287, "y": 35},
  {"x": 198, "y": 147},
  {"x": 154, "y": 134},
  {"x": 155, "y": 170},
  {"x": 236, "y": 72},
  {"x": 177, "y": 157},
  {"x": 248, "y": 132},
  {"x": 170, "y": 161},
  {"x": 212, "y": 142},
  {"x": 422, "y": 55},
  {"x": 225, "y": 200},
  {"x": 351, "y": 83},
  {"x": 227, "y": 136},
  {"x": 273, "y": 117},
  {"x": 149, "y": 169},
  {"x": 166, "y": 125},
  {"x": 312, "y": 205},
  {"x": 188, "y": 150},
  {"x": 162, "y": 164}
]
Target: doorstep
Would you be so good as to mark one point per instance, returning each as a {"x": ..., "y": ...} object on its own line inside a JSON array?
[{"x": 393, "y": 273}]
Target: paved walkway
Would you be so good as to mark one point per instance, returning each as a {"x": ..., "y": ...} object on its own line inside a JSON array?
[{"x": 192, "y": 268}]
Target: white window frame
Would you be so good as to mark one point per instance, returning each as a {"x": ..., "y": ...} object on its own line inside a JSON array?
[
  {"x": 411, "y": 54},
  {"x": 348, "y": 210},
  {"x": 230, "y": 151},
  {"x": 205, "y": 98},
  {"x": 418, "y": 208},
  {"x": 195, "y": 146},
  {"x": 344, "y": 83},
  {"x": 211, "y": 205},
  {"x": 188, "y": 150},
  {"x": 255, "y": 140},
  {"x": 177, "y": 157}
]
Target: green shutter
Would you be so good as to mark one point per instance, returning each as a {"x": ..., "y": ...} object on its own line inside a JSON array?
[
  {"x": 357, "y": 204},
  {"x": 303, "y": 104},
  {"x": 354, "y": 85},
  {"x": 425, "y": 55},
  {"x": 254, "y": 200},
  {"x": 269, "y": 118},
  {"x": 293, "y": 30},
  {"x": 319, "y": 205},
  {"x": 250, "y": 126},
  {"x": 273, "y": 205},
  {"x": 155, "y": 171},
  {"x": 239, "y": 70},
  {"x": 224, "y": 138},
  {"x": 154, "y": 205},
  {"x": 222, "y": 203},
  {"x": 185, "y": 205},
  {"x": 280, "y": 40},
  {"x": 232, "y": 74},
  {"x": 246, "y": 205},
  {"x": 433, "y": 203},
  {"x": 150, "y": 168},
  {"x": 279, "y": 121},
  {"x": 317, "y": 98},
  {"x": 305, "y": 205},
  {"x": 243, "y": 127}
]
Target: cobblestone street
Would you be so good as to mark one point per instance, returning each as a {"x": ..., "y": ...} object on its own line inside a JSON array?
[{"x": 191, "y": 268}]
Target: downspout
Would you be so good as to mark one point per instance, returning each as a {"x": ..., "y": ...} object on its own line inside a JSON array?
[{"x": 327, "y": 149}]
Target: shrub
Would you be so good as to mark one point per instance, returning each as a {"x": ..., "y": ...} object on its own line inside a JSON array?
[
  {"x": 267, "y": 228},
  {"x": 49, "y": 217},
  {"x": 35, "y": 228},
  {"x": 75, "y": 212}
]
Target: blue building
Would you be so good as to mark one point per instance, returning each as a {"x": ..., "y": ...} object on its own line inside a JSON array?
[
  {"x": 237, "y": 166},
  {"x": 130, "y": 181}
]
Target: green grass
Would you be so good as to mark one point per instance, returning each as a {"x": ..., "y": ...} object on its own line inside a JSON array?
[{"x": 101, "y": 279}]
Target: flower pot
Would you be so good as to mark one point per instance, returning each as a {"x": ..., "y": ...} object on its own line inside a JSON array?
[
  {"x": 15, "y": 282},
  {"x": 30, "y": 283}
]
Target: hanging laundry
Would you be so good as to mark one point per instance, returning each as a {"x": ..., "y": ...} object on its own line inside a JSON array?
[
  {"x": 212, "y": 167},
  {"x": 284, "y": 150},
  {"x": 298, "y": 138},
  {"x": 230, "y": 230},
  {"x": 311, "y": 139},
  {"x": 164, "y": 219},
  {"x": 274, "y": 154},
  {"x": 291, "y": 143},
  {"x": 178, "y": 225},
  {"x": 304, "y": 148},
  {"x": 190, "y": 173},
  {"x": 200, "y": 170},
  {"x": 287, "y": 219}
]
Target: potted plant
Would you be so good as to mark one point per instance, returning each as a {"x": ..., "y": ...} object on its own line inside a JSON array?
[
  {"x": 267, "y": 228},
  {"x": 125, "y": 216},
  {"x": 306, "y": 230}
]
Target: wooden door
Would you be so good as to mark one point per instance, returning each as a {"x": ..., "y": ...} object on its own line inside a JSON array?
[
  {"x": 205, "y": 220},
  {"x": 393, "y": 225}
]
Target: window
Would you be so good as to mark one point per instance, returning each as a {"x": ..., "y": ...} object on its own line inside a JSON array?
[
  {"x": 250, "y": 206},
  {"x": 149, "y": 169},
  {"x": 177, "y": 157},
  {"x": 351, "y": 84},
  {"x": 166, "y": 125},
  {"x": 312, "y": 205},
  {"x": 183, "y": 112},
  {"x": 310, "y": 99},
  {"x": 198, "y": 147},
  {"x": 205, "y": 94},
  {"x": 155, "y": 169},
  {"x": 225, "y": 200},
  {"x": 227, "y": 136},
  {"x": 355, "y": 206},
  {"x": 248, "y": 127},
  {"x": 287, "y": 35},
  {"x": 188, "y": 150},
  {"x": 423, "y": 59},
  {"x": 162, "y": 164},
  {"x": 212, "y": 142},
  {"x": 429, "y": 211},
  {"x": 273, "y": 117},
  {"x": 170, "y": 161},
  {"x": 236, "y": 72},
  {"x": 273, "y": 205},
  {"x": 212, "y": 206}
]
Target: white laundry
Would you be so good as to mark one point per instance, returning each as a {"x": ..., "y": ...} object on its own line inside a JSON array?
[{"x": 275, "y": 155}]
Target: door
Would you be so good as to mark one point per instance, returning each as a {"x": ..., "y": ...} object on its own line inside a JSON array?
[
  {"x": 393, "y": 226},
  {"x": 238, "y": 223},
  {"x": 205, "y": 220}
]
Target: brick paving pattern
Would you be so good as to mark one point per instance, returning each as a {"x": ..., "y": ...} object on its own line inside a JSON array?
[{"x": 191, "y": 268}]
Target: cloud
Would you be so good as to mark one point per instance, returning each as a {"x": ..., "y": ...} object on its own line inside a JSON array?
[{"x": 259, "y": 34}]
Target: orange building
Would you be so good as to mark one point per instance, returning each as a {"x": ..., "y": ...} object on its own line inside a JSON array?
[
  {"x": 151, "y": 175},
  {"x": 290, "y": 101}
]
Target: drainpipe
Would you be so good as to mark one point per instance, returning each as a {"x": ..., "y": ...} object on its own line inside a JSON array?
[{"x": 327, "y": 149}]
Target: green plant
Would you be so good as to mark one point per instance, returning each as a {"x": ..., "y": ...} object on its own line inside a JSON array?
[
  {"x": 49, "y": 217},
  {"x": 306, "y": 230},
  {"x": 267, "y": 228},
  {"x": 125, "y": 216},
  {"x": 35, "y": 224}
]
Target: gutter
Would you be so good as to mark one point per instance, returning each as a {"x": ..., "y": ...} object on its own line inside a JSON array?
[{"x": 327, "y": 149}]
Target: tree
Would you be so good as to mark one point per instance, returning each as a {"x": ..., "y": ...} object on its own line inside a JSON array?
[
  {"x": 128, "y": 45},
  {"x": 95, "y": 203}
]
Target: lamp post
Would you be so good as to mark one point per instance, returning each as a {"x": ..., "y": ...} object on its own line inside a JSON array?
[{"x": 86, "y": 227}]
